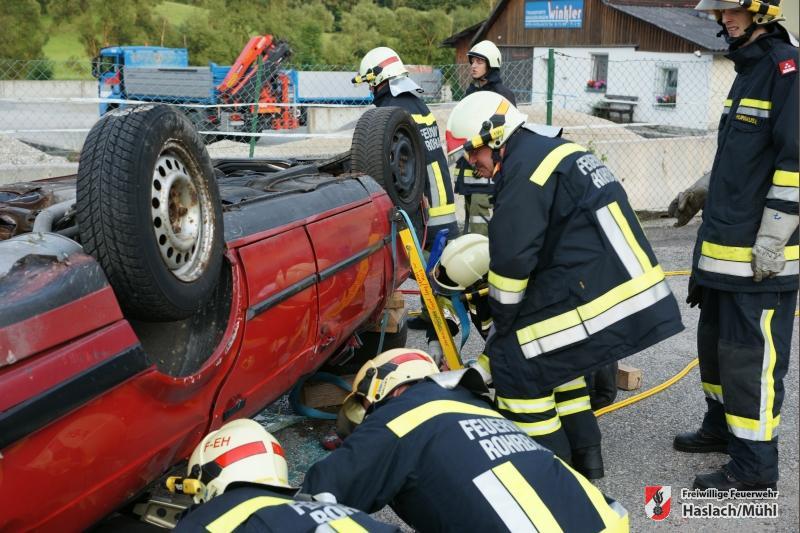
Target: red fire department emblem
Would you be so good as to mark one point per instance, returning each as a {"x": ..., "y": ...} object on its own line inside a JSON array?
[
  {"x": 657, "y": 501},
  {"x": 787, "y": 66}
]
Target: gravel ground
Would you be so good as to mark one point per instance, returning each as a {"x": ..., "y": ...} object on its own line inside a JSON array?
[
  {"x": 637, "y": 440},
  {"x": 14, "y": 152}
]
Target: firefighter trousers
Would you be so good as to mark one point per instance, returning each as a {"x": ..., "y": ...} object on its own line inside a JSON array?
[
  {"x": 478, "y": 212},
  {"x": 743, "y": 343},
  {"x": 561, "y": 420}
]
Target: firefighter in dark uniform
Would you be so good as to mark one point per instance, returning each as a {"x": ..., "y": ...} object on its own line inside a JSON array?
[
  {"x": 388, "y": 80},
  {"x": 238, "y": 477},
  {"x": 573, "y": 282},
  {"x": 443, "y": 460},
  {"x": 745, "y": 267},
  {"x": 484, "y": 60}
]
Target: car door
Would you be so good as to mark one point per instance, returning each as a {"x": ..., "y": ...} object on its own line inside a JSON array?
[
  {"x": 281, "y": 324},
  {"x": 349, "y": 250}
]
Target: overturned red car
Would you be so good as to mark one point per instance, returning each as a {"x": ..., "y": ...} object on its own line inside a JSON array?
[{"x": 158, "y": 294}]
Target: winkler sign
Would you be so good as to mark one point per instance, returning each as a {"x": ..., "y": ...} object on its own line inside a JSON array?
[{"x": 554, "y": 14}]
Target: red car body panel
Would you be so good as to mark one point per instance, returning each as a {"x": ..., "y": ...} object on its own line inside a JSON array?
[{"x": 106, "y": 422}]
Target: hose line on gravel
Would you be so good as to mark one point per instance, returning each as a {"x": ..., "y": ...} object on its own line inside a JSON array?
[{"x": 649, "y": 392}]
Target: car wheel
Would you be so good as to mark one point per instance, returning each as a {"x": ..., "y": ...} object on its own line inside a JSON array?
[
  {"x": 387, "y": 146},
  {"x": 149, "y": 212}
]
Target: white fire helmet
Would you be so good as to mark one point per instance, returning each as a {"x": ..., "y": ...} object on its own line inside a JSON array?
[
  {"x": 483, "y": 118},
  {"x": 241, "y": 450},
  {"x": 764, "y": 11},
  {"x": 378, "y": 377},
  {"x": 378, "y": 65},
  {"x": 487, "y": 51},
  {"x": 464, "y": 261}
]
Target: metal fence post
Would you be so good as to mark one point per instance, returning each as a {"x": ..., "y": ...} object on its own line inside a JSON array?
[
  {"x": 255, "y": 108},
  {"x": 551, "y": 80}
]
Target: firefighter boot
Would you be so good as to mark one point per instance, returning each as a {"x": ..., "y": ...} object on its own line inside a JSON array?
[
  {"x": 589, "y": 462},
  {"x": 723, "y": 479},
  {"x": 699, "y": 441}
]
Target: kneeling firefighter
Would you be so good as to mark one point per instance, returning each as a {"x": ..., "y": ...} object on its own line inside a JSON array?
[
  {"x": 573, "y": 282},
  {"x": 429, "y": 445},
  {"x": 387, "y": 77},
  {"x": 239, "y": 478}
]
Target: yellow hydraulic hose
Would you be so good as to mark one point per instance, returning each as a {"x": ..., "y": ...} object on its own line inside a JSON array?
[
  {"x": 678, "y": 273},
  {"x": 648, "y": 392}
]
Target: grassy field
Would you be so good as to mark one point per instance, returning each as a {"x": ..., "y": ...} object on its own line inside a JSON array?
[
  {"x": 65, "y": 50},
  {"x": 176, "y": 13}
]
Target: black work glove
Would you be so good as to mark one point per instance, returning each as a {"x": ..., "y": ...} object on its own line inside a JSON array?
[
  {"x": 430, "y": 332},
  {"x": 695, "y": 295},
  {"x": 481, "y": 314}
]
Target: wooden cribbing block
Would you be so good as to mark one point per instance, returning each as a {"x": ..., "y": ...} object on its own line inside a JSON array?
[
  {"x": 628, "y": 377},
  {"x": 321, "y": 394},
  {"x": 396, "y": 301},
  {"x": 397, "y": 317}
]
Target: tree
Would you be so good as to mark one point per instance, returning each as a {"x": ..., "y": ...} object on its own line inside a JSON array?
[
  {"x": 421, "y": 34},
  {"x": 364, "y": 27},
  {"x": 22, "y": 35},
  {"x": 464, "y": 17}
]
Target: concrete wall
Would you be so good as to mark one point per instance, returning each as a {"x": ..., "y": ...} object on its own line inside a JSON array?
[
  {"x": 48, "y": 89},
  {"x": 17, "y": 173},
  {"x": 329, "y": 119},
  {"x": 721, "y": 76},
  {"x": 654, "y": 171}
]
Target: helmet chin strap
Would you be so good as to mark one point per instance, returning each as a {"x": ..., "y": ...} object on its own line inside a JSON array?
[
  {"x": 496, "y": 159},
  {"x": 736, "y": 42}
]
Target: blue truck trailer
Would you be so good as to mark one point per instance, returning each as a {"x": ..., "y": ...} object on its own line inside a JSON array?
[
  {"x": 250, "y": 96},
  {"x": 227, "y": 100}
]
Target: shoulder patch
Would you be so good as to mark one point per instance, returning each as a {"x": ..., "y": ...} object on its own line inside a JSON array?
[{"x": 787, "y": 67}]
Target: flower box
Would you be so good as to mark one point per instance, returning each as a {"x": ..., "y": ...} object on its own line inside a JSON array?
[{"x": 596, "y": 86}]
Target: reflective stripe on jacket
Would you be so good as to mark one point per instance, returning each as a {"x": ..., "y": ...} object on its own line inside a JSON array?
[
  {"x": 253, "y": 507},
  {"x": 755, "y": 167},
  {"x": 445, "y": 461},
  {"x": 572, "y": 274}
]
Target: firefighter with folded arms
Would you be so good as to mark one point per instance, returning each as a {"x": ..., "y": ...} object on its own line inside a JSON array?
[
  {"x": 745, "y": 265},
  {"x": 239, "y": 478},
  {"x": 573, "y": 282},
  {"x": 484, "y": 67},
  {"x": 388, "y": 80},
  {"x": 430, "y": 446}
]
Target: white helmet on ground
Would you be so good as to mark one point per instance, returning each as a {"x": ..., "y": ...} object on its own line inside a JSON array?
[
  {"x": 483, "y": 118},
  {"x": 378, "y": 377},
  {"x": 764, "y": 11},
  {"x": 241, "y": 450},
  {"x": 378, "y": 65},
  {"x": 487, "y": 51},
  {"x": 464, "y": 261}
]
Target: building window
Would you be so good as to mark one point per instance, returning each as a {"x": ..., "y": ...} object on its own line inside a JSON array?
[
  {"x": 599, "y": 79},
  {"x": 667, "y": 86}
]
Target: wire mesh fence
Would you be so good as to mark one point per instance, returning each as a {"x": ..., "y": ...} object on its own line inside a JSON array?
[{"x": 651, "y": 118}]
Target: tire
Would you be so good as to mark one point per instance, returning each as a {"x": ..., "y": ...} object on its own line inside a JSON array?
[
  {"x": 201, "y": 122},
  {"x": 387, "y": 146},
  {"x": 149, "y": 211}
]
